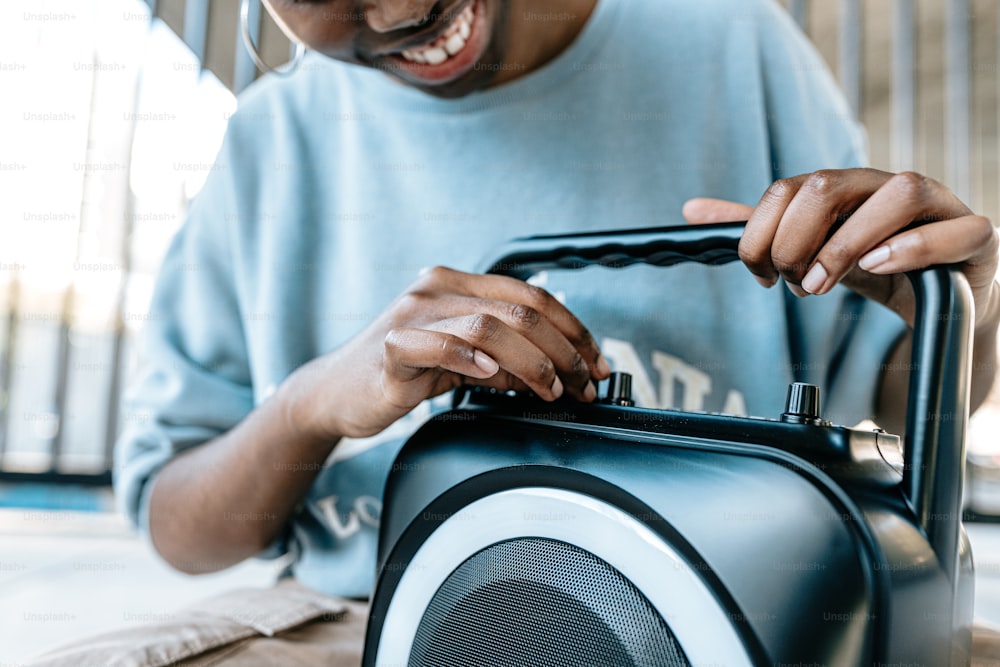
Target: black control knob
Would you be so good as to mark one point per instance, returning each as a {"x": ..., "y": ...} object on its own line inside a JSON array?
[
  {"x": 619, "y": 390},
  {"x": 802, "y": 404}
]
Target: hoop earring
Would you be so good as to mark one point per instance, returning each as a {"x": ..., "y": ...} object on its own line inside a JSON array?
[{"x": 251, "y": 49}]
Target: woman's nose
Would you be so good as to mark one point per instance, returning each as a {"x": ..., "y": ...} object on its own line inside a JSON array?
[{"x": 387, "y": 15}]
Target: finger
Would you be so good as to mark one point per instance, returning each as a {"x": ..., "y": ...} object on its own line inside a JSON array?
[
  {"x": 901, "y": 200},
  {"x": 410, "y": 353},
  {"x": 570, "y": 365},
  {"x": 511, "y": 290},
  {"x": 532, "y": 325},
  {"x": 762, "y": 225},
  {"x": 971, "y": 240},
  {"x": 705, "y": 210},
  {"x": 823, "y": 202},
  {"x": 513, "y": 352},
  {"x": 796, "y": 215}
]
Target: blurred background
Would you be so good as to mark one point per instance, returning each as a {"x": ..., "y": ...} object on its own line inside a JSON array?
[{"x": 113, "y": 112}]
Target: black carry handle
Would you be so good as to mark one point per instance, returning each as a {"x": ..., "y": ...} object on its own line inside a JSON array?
[
  {"x": 659, "y": 246},
  {"x": 938, "y": 405}
]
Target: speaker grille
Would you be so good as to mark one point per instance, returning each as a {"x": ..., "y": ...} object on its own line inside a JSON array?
[{"x": 541, "y": 602}]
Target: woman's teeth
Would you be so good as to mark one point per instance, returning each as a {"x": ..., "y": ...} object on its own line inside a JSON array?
[{"x": 448, "y": 44}]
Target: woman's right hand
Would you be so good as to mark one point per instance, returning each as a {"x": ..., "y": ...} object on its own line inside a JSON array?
[{"x": 446, "y": 329}]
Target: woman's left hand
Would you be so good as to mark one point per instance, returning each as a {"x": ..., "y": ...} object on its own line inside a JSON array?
[{"x": 864, "y": 228}]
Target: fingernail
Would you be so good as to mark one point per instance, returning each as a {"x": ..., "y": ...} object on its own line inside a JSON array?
[
  {"x": 557, "y": 387},
  {"x": 876, "y": 257},
  {"x": 603, "y": 367},
  {"x": 590, "y": 393},
  {"x": 796, "y": 290},
  {"x": 815, "y": 279},
  {"x": 485, "y": 363}
]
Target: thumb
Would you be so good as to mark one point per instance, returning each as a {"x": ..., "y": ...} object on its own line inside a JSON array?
[{"x": 704, "y": 210}]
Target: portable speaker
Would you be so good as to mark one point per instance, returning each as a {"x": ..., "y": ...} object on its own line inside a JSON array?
[{"x": 517, "y": 532}]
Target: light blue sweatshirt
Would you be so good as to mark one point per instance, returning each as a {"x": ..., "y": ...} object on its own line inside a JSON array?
[{"x": 336, "y": 185}]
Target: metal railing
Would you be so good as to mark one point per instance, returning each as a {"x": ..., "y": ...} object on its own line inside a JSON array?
[{"x": 900, "y": 103}]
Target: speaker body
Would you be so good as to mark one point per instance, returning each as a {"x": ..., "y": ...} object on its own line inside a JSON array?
[
  {"x": 754, "y": 542},
  {"x": 516, "y": 532}
]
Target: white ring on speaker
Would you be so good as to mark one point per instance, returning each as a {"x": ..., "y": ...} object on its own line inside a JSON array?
[{"x": 703, "y": 628}]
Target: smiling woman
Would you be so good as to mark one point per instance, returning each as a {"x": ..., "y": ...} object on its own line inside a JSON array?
[
  {"x": 296, "y": 338},
  {"x": 447, "y": 49}
]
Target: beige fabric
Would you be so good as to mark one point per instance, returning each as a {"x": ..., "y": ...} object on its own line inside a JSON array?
[{"x": 284, "y": 625}]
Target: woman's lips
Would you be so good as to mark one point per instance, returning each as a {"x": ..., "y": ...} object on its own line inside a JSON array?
[{"x": 450, "y": 55}]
